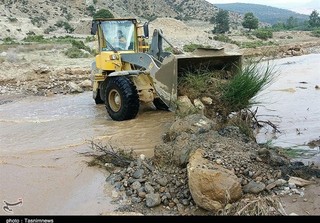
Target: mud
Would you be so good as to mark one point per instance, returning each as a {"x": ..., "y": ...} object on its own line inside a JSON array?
[{"x": 41, "y": 141}]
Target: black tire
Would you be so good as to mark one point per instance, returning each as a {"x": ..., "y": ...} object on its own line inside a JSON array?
[
  {"x": 160, "y": 105},
  {"x": 122, "y": 100},
  {"x": 98, "y": 99}
]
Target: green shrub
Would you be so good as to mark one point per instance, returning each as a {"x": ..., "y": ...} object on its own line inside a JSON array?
[
  {"x": 103, "y": 13},
  {"x": 263, "y": 34},
  {"x": 90, "y": 39},
  {"x": 49, "y": 29},
  {"x": 316, "y": 33},
  {"x": 74, "y": 52},
  {"x": 65, "y": 25},
  {"x": 80, "y": 45},
  {"x": 191, "y": 47},
  {"x": 12, "y": 19},
  {"x": 9, "y": 40},
  {"x": 255, "y": 44},
  {"x": 34, "y": 38},
  {"x": 224, "y": 38},
  {"x": 238, "y": 93},
  {"x": 38, "y": 21}
]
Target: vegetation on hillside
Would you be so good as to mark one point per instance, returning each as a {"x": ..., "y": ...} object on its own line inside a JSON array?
[{"x": 264, "y": 13}]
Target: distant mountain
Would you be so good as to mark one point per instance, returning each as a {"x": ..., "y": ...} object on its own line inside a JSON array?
[{"x": 264, "y": 13}]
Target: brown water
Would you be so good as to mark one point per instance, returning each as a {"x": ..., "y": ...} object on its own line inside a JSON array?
[
  {"x": 292, "y": 102},
  {"x": 40, "y": 142}
]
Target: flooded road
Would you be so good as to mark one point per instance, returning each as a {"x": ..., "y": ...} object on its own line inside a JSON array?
[
  {"x": 40, "y": 142},
  {"x": 292, "y": 102}
]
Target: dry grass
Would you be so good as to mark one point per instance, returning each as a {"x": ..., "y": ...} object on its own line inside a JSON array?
[
  {"x": 255, "y": 206},
  {"x": 107, "y": 153}
]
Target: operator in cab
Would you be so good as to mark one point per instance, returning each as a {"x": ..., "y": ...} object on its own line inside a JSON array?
[{"x": 121, "y": 40}]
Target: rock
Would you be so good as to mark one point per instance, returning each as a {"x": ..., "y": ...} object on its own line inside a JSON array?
[
  {"x": 184, "y": 106},
  {"x": 142, "y": 194},
  {"x": 207, "y": 100},
  {"x": 192, "y": 124},
  {"x": 153, "y": 200},
  {"x": 86, "y": 84},
  {"x": 299, "y": 181},
  {"x": 138, "y": 174},
  {"x": 198, "y": 105},
  {"x": 254, "y": 187},
  {"x": 162, "y": 181},
  {"x": 74, "y": 88},
  {"x": 136, "y": 185},
  {"x": 114, "y": 194},
  {"x": 148, "y": 188},
  {"x": 211, "y": 188}
]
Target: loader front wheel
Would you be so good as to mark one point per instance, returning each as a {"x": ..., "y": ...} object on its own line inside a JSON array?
[{"x": 122, "y": 100}]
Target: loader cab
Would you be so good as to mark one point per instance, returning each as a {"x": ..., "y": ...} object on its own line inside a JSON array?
[{"x": 115, "y": 34}]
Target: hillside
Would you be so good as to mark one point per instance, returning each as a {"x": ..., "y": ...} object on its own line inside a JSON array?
[
  {"x": 264, "y": 13},
  {"x": 17, "y": 18}
]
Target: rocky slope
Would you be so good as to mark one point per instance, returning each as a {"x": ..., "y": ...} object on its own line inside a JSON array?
[{"x": 17, "y": 18}]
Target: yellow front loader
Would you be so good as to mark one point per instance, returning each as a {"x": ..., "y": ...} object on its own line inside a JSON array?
[{"x": 128, "y": 70}]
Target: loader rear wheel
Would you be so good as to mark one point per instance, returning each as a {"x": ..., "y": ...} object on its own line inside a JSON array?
[
  {"x": 160, "y": 105},
  {"x": 122, "y": 100}
]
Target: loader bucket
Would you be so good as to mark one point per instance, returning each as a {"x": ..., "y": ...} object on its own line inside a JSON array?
[{"x": 175, "y": 66}]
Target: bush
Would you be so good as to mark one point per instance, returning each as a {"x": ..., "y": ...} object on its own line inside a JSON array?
[
  {"x": 90, "y": 39},
  {"x": 65, "y": 25},
  {"x": 245, "y": 85},
  {"x": 34, "y": 38},
  {"x": 191, "y": 47},
  {"x": 12, "y": 19},
  {"x": 49, "y": 30},
  {"x": 80, "y": 45},
  {"x": 74, "y": 52},
  {"x": 263, "y": 34},
  {"x": 9, "y": 40},
  {"x": 316, "y": 33},
  {"x": 255, "y": 44},
  {"x": 224, "y": 38},
  {"x": 103, "y": 13}
]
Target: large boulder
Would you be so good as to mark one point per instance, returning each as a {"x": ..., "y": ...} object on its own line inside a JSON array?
[{"x": 211, "y": 185}]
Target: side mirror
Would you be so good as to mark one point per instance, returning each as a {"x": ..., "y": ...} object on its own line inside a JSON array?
[
  {"x": 94, "y": 28},
  {"x": 146, "y": 29}
]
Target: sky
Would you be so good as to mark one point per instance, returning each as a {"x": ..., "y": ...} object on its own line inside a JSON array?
[{"x": 301, "y": 6}]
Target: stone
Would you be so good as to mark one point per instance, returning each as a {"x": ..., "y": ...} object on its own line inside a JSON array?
[
  {"x": 148, "y": 188},
  {"x": 184, "y": 106},
  {"x": 74, "y": 88},
  {"x": 138, "y": 174},
  {"x": 162, "y": 181},
  {"x": 254, "y": 187},
  {"x": 211, "y": 188},
  {"x": 207, "y": 100},
  {"x": 136, "y": 185},
  {"x": 153, "y": 200}
]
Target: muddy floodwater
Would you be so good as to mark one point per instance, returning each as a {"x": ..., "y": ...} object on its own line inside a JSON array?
[
  {"x": 42, "y": 138},
  {"x": 292, "y": 103}
]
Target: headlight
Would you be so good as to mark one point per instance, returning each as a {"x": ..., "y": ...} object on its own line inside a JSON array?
[{"x": 113, "y": 57}]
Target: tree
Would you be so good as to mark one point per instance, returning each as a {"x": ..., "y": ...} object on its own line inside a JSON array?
[
  {"x": 222, "y": 22},
  {"x": 103, "y": 13},
  {"x": 292, "y": 22},
  {"x": 314, "y": 19},
  {"x": 250, "y": 21}
]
